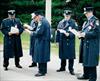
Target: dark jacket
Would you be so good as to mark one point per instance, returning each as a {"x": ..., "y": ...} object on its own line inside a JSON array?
[
  {"x": 12, "y": 44},
  {"x": 32, "y": 37},
  {"x": 66, "y": 44},
  {"x": 90, "y": 45},
  {"x": 42, "y": 42}
]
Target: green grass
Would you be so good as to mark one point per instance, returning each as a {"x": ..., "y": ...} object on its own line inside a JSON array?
[
  {"x": 26, "y": 41},
  {"x": 77, "y": 44},
  {"x": 1, "y": 38},
  {"x": 54, "y": 48},
  {"x": 25, "y": 37}
]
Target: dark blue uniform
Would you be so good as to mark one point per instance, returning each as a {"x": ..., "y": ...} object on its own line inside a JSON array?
[
  {"x": 42, "y": 45},
  {"x": 66, "y": 44},
  {"x": 12, "y": 44},
  {"x": 89, "y": 54}
]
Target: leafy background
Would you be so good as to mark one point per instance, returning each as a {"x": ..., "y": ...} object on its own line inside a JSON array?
[{"x": 25, "y": 7}]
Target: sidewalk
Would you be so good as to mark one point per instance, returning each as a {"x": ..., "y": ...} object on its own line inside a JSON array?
[{"x": 27, "y": 74}]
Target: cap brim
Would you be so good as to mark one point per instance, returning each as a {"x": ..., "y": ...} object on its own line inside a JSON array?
[
  {"x": 11, "y": 14},
  {"x": 66, "y": 14}
]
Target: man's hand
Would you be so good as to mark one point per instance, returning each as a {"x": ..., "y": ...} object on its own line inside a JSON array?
[
  {"x": 28, "y": 31},
  {"x": 67, "y": 34},
  {"x": 10, "y": 33},
  {"x": 81, "y": 35},
  {"x": 17, "y": 33},
  {"x": 26, "y": 26}
]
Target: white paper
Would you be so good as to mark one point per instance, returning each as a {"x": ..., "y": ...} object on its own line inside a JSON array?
[
  {"x": 62, "y": 31},
  {"x": 14, "y": 30},
  {"x": 75, "y": 32}
]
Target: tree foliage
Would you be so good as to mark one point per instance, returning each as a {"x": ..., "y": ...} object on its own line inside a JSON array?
[
  {"x": 25, "y": 7},
  {"x": 76, "y": 6}
]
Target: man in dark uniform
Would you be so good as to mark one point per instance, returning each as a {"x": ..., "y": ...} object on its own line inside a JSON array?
[
  {"x": 90, "y": 45},
  {"x": 11, "y": 27},
  {"x": 66, "y": 41},
  {"x": 32, "y": 28},
  {"x": 42, "y": 43}
]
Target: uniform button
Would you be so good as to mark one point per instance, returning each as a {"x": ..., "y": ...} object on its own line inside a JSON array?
[
  {"x": 87, "y": 41},
  {"x": 67, "y": 44}
]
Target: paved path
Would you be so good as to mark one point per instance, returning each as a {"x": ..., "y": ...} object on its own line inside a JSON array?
[{"x": 27, "y": 74}]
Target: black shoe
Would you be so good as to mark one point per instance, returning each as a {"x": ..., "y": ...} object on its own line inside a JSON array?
[
  {"x": 39, "y": 74},
  {"x": 4, "y": 65},
  {"x": 33, "y": 65},
  {"x": 6, "y": 69},
  {"x": 72, "y": 73},
  {"x": 18, "y": 66},
  {"x": 82, "y": 78},
  {"x": 59, "y": 70}
]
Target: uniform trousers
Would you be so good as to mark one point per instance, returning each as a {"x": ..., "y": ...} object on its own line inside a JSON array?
[
  {"x": 70, "y": 66},
  {"x": 42, "y": 68},
  {"x": 90, "y": 72}
]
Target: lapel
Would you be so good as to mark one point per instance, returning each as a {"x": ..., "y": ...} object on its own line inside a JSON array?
[
  {"x": 13, "y": 22},
  {"x": 87, "y": 24},
  {"x": 38, "y": 26},
  {"x": 65, "y": 25}
]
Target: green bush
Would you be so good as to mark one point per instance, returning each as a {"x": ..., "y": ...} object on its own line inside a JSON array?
[
  {"x": 22, "y": 3},
  {"x": 56, "y": 20},
  {"x": 25, "y": 18},
  {"x": 25, "y": 7}
]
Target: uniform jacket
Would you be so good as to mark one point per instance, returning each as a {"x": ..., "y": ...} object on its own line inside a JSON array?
[
  {"x": 42, "y": 42},
  {"x": 12, "y": 44},
  {"x": 66, "y": 44},
  {"x": 90, "y": 44}
]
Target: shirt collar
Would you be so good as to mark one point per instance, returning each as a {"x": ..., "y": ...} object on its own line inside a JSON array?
[{"x": 89, "y": 17}]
